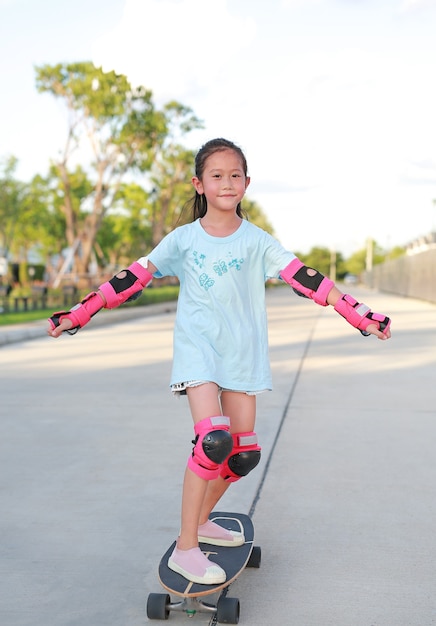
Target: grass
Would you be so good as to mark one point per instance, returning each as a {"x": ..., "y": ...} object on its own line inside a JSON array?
[
  {"x": 24, "y": 316},
  {"x": 149, "y": 296}
]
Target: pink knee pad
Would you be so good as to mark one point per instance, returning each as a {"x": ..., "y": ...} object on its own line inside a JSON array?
[
  {"x": 212, "y": 445},
  {"x": 243, "y": 458}
]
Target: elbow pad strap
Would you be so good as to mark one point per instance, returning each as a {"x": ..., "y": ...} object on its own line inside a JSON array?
[
  {"x": 125, "y": 285},
  {"x": 313, "y": 285}
]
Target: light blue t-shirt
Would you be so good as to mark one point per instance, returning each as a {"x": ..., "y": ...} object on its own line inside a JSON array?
[{"x": 221, "y": 333}]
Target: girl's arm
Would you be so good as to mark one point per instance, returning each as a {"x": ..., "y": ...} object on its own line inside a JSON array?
[
  {"x": 310, "y": 283},
  {"x": 126, "y": 285}
]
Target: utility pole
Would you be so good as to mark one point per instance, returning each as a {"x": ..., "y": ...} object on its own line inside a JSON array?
[
  {"x": 369, "y": 254},
  {"x": 332, "y": 265}
]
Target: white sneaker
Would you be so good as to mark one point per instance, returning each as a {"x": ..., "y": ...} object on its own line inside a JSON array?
[
  {"x": 196, "y": 567},
  {"x": 213, "y": 533}
]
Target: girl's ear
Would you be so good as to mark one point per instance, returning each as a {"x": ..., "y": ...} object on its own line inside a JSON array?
[
  {"x": 198, "y": 185},
  {"x": 247, "y": 181}
]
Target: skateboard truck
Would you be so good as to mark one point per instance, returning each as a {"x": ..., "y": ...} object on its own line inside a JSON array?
[
  {"x": 159, "y": 606},
  {"x": 233, "y": 561}
]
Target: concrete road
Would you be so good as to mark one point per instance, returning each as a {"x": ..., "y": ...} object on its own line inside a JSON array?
[{"x": 93, "y": 449}]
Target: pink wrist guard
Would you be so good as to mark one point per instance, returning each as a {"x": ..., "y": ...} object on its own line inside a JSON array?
[
  {"x": 130, "y": 285},
  {"x": 80, "y": 314},
  {"x": 116, "y": 291},
  {"x": 360, "y": 315},
  {"x": 316, "y": 287}
]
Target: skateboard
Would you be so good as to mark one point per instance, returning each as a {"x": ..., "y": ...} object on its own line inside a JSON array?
[{"x": 190, "y": 596}]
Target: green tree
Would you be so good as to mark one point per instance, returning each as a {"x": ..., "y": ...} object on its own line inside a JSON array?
[
  {"x": 139, "y": 219},
  {"x": 326, "y": 261},
  {"x": 395, "y": 253},
  {"x": 171, "y": 173},
  {"x": 114, "y": 128},
  {"x": 11, "y": 192},
  {"x": 40, "y": 229},
  {"x": 357, "y": 262},
  {"x": 26, "y": 222},
  {"x": 126, "y": 230},
  {"x": 256, "y": 215}
]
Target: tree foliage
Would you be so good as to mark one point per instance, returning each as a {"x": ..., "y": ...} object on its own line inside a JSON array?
[
  {"x": 375, "y": 254},
  {"x": 114, "y": 129},
  {"x": 257, "y": 216},
  {"x": 11, "y": 192},
  {"x": 126, "y": 231},
  {"x": 121, "y": 182},
  {"x": 395, "y": 253},
  {"x": 326, "y": 261},
  {"x": 25, "y": 219}
]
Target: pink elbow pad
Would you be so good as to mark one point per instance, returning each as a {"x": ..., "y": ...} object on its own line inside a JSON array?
[
  {"x": 126, "y": 284},
  {"x": 312, "y": 285}
]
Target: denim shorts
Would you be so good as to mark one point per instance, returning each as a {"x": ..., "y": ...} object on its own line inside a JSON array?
[{"x": 179, "y": 389}]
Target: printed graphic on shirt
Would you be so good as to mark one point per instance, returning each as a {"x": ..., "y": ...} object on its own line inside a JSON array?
[
  {"x": 220, "y": 267},
  {"x": 199, "y": 259}
]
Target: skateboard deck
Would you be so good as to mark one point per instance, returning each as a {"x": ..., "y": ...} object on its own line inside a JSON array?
[{"x": 232, "y": 560}]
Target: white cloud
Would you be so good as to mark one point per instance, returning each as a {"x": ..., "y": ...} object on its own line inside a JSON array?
[
  {"x": 297, "y": 4},
  {"x": 408, "y": 6},
  {"x": 332, "y": 126},
  {"x": 176, "y": 48}
]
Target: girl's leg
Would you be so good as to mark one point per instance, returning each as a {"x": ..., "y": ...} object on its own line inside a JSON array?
[
  {"x": 200, "y": 495},
  {"x": 241, "y": 409},
  {"x": 204, "y": 402}
]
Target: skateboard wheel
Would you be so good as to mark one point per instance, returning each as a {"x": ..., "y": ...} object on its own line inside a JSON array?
[
  {"x": 227, "y": 610},
  {"x": 255, "y": 557},
  {"x": 157, "y": 606}
]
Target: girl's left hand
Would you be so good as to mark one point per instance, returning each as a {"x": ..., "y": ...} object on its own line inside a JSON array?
[{"x": 372, "y": 328}]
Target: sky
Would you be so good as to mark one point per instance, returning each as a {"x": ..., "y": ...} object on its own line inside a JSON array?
[{"x": 332, "y": 101}]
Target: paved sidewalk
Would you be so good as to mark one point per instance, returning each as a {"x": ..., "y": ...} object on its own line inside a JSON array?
[
  {"x": 93, "y": 449},
  {"x": 15, "y": 333}
]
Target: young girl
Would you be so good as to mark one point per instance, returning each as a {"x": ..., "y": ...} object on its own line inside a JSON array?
[{"x": 220, "y": 337}]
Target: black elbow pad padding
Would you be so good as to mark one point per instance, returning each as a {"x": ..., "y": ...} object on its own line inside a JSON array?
[
  {"x": 299, "y": 293},
  {"x": 310, "y": 282},
  {"x": 121, "y": 284}
]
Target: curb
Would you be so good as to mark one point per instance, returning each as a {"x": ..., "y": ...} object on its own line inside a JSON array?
[{"x": 15, "y": 333}]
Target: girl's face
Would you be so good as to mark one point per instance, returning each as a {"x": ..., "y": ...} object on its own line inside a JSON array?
[{"x": 223, "y": 181}]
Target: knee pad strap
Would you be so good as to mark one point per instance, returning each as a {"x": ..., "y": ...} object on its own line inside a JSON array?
[
  {"x": 212, "y": 445},
  {"x": 243, "y": 458}
]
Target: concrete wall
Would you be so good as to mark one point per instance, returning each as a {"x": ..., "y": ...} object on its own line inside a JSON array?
[{"x": 412, "y": 276}]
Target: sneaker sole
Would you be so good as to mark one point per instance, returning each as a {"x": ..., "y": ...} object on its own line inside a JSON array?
[{"x": 224, "y": 543}]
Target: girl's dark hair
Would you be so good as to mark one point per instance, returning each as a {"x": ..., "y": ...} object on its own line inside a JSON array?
[{"x": 198, "y": 202}]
